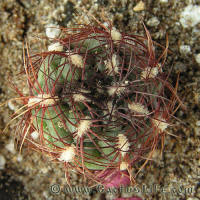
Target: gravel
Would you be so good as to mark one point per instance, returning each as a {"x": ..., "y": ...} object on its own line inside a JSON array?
[
  {"x": 2, "y": 162},
  {"x": 176, "y": 172}
]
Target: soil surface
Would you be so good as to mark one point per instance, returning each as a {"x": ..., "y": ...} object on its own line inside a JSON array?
[{"x": 176, "y": 174}]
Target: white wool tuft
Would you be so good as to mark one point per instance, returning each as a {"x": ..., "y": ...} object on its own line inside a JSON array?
[
  {"x": 80, "y": 98},
  {"x": 139, "y": 108},
  {"x": 77, "y": 60},
  {"x": 160, "y": 123},
  {"x": 84, "y": 91},
  {"x": 123, "y": 166},
  {"x": 115, "y": 35},
  {"x": 68, "y": 154},
  {"x": 55, "y": 47},
  {"x": 112, "y": 90},
  {"x": 117, "y": 89},
  {"x": 112, "y": 65},
  {"x": 60, "y": 124},
  {"x": 35, "y": 135},
  {"x": 83, "y": 126},
  {"x": 123, "y": 144},
  {"x": 110, "y": 106},
  {"x": 149, "y": 72},
  {"x": 42, "y": 99}
]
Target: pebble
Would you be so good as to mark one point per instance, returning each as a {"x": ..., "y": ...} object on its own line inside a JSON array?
[
  {"x": 52, "y": 31},
  {"x": 198, "y": 123},
  {"x": 11, "y": 147},
  {"x": 189, "y": 17},
  {"x": 197, "y": 58},
  {"x": 19, "y": 158},
  {"x": 47, "y": 196},
  {"x": 139, "y": 7},
  {"x": 44, "y": 170},
  {"x": 185, "y": 49},
  {"x": 12, "y": 105},
  {"x": 2, "y": 162},
  {"x": 197, "y": 131},
  {"x": 153, "y": 21},
  {"x": 163, "y": 1},
  {"x": 180, "y": 67},
  {"x": 156, "y": 155}
]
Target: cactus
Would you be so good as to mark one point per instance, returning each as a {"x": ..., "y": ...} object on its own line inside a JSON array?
[{"x": 100, "y": 101}]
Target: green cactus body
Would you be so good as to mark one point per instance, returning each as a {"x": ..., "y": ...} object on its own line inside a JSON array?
[{"x": 102, "y": 97}]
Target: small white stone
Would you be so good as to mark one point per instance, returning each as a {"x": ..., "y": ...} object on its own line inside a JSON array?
[
  {"x": 198, "y": 123},
  {"x": 11, "y": 147},
  {"x": 197, "y": 58},
  {"x": 52, "y": 31},
  {"x": 189, "y": 17},
  {"x": 163, "y": 1},
  {"x": 19, "y": 158},
  {"x": 44, "y": 170},
  {"x": 45, "y": 194},
  {"x": 55, "y": 47},
  {"x": 2, "y": 162},
  {"x": 139, "y": 6},
  {"x": 185, "y": 49},
  {"x": 197, "y": 131},
  {"x": 156, "y": 155},
  {"x": 35, "y": 135},
  {"x": 12, "y": 105},
  {"x": 153, "y": 21}
]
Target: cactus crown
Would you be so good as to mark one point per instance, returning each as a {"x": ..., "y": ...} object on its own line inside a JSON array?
[{"x": 98, "y": 100}]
